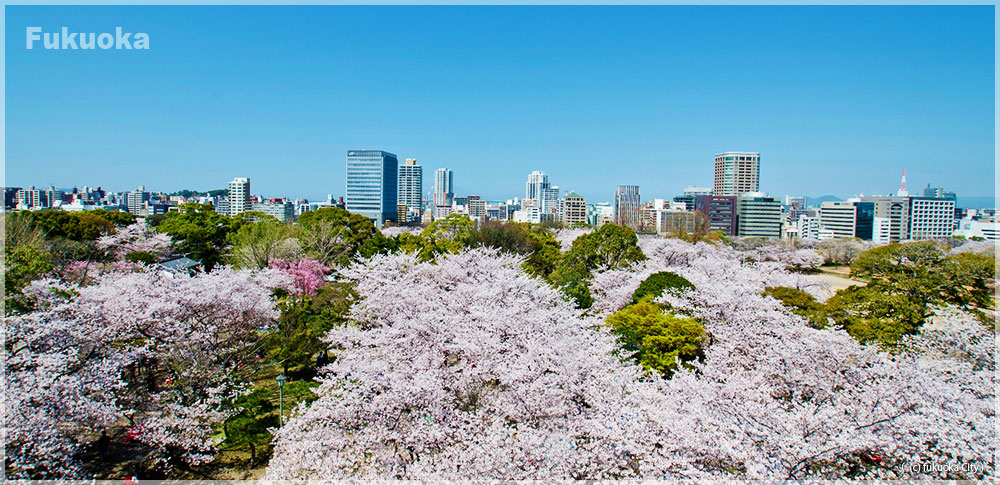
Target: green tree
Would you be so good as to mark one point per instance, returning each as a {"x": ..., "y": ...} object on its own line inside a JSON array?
[
  {"x": 970, "y": 279},
  {"x": 609, "y": 247},
  {"x": 303, "y": 323},
  {"x": 22, "y": 265},
  {"x": 873, "y": 316},
  {"x": 256, "y": 243},
  {"x": 922, "y": 272},
  {"x": 800, "y": 303},
  {"x": 334, "y": 236},
  {"x": 536, "y": 243},
  {"x": 75, "y": 226},
  {"x": 249, "y": 426},
  {"x": 657, "y": 283},
  {"x": 144, "y": 257},
  {"x": 656, "y": 340},
  {"x": 455, "y": 227},
  {"x": 200, "y": 233}
]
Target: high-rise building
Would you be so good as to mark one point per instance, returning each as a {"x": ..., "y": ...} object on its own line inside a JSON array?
[
  {"x": 720, "y": 210},
  {"x": 372, "y": 184},
  {"x": 894, "y": 209},
  {"x": 737, "y": 173},
  {"x": 931, "y": 217},
  {"x": 53, "y": 196},
  {"x": 537, "y": 181},
  {"x": 549, "y": 204},
  {"x": 411, "y": 186},
  {"x": 476, "y": 207},
  {"x": 543, "y": 195},
  {"x": 627, "y": 204},
  {"x": 444, "y": 192},
  {"x": 239, "y": 196},
  {"x": 135, "y": 201},
  {"x": 758, "y": 215},
  {"x": 29, "y": 198},
  {"x": 574, "y": 209}
]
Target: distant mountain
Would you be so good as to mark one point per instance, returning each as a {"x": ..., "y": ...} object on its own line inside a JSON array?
[
  {"x": 983, "y": 202},
  {"x": 811, "y": 201}
]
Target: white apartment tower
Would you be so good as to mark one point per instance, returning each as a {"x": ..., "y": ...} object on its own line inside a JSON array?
[{"x": 239, "y": 196}]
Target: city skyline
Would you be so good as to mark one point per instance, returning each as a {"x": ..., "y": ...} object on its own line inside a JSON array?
[{"x": 595, "y": 100}]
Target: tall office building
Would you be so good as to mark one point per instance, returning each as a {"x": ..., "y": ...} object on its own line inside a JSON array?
[
  {"x": 544, "y": 195},
  {"x": 444, "y": 192},
  {"x": 372, "y": 184},
  {"x": 758, "y": 215},
  {"x": 135, "y": 201},
  {"x": 627, "y": 205},
  {"x": 411, "y": 186},
  {"x": 737, "y": 173},
  {"x": 239, "y": 196},
  {"x": 537, "y": 182}
]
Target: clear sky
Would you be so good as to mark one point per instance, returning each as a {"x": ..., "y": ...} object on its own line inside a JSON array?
[{"x": 838, "y": 100}]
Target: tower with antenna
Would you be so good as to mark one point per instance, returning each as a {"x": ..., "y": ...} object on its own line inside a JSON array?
[{"x": 902, "y": 192}]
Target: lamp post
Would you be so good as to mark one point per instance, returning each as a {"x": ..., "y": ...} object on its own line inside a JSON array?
[{"x": 281, "y": 398}]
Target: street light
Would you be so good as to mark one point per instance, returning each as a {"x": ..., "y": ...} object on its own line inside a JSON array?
[{"x": 281, "y": 398}]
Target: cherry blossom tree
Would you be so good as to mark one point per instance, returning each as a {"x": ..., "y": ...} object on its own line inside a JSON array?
[
  {"x": 566, "y": 236},
  {"x": 160, "y": 352},
  {"x": 309, "y": 274},
  {"x": 469, "y": 369},
  {"x": 136, "y": 237}
]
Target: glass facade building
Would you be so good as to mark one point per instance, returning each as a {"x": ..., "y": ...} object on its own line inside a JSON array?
[
  {"x": 443, "y": 192},
  {"x": 372, "y": 184}
]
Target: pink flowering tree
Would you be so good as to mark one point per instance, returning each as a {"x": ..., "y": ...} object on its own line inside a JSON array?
[
  {"x": 468, "y": 368},
  {"x": 566, "y": 236},
  {"x": 134, "y": 238},
  {"x": 309, "y": 275},
  {"x": 153, "y": 352}
]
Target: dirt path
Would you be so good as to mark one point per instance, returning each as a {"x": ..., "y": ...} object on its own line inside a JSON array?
[{"x": 835, "y": 278}]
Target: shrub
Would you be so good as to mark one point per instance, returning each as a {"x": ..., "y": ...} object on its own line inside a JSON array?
[{"x": 657, "y": 283}]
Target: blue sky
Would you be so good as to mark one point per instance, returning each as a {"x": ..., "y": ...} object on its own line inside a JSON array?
[{"x": 838, "y": 100}]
